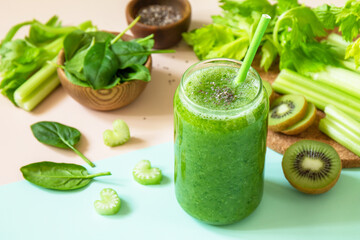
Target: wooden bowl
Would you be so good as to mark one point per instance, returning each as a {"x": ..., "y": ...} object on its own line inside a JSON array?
[
  {"x": 103, "y": 99},
  {"x": 165, "y": 36}
]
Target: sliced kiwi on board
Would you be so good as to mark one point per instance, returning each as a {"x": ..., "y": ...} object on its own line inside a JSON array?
[
  {"x": 285, "y": 111},
  {"x": 304, "y": 123},
  {"x": 269, "y": 90},
  {"x": 311, "y": 167}
]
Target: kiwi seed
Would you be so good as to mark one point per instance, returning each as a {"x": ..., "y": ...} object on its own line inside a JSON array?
[
  {"x": 285, "y": 111},
  {"x": 311, "y": 167},
  {"x": 304, "y": 123}
]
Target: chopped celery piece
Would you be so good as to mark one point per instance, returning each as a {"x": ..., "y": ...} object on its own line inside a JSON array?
[
  {"x": 341, "y": 117},
  {"x": 320, "y": 94},
  {"x": 340, "y": 134}
]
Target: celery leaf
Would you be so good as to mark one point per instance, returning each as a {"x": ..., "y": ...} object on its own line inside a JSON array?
[
  {"x": 353, "y": 50},
  {"x": 348, "y": 20}
]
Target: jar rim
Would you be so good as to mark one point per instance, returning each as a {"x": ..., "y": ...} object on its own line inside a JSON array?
[{"x": 223, "y": 112}]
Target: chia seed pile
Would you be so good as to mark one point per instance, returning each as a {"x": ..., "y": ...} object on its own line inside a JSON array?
[
  {"x": 220, "y": 95},
  {"x": 159, "y": 15}
]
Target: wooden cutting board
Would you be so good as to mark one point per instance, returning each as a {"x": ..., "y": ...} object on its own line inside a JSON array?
[{"x": 280, "y": 142}]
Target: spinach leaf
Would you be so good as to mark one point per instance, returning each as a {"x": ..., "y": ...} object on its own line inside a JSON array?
[
  {"x": 147, "y": 42},
  {"x": 74, "y": 41},
  {"x": 76, "y": 64},
  {"x": 101, "y": 36},
  {"x": 129, "y": 53},
  {"x": 100, "y": 66},
  {"x": 135, "y": 72},
  {"x": 58, "y": 135},
  {"x": 75, "y": 80},
  {"x": 58, "y": 176}
]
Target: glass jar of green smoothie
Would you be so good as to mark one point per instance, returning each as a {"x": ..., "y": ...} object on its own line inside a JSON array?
[{"x": 220, "y": 141}]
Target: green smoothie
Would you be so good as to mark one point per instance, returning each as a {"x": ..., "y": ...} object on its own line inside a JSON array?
[{"x": 220, "y": 142}]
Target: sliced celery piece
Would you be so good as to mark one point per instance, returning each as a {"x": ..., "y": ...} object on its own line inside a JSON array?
[{"x": 340, "y": 134}]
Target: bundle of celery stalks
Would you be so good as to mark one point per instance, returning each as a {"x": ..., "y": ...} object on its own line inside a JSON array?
[
  {"x": 28, "y": 66},
  {"x": 318, "y": 50}
]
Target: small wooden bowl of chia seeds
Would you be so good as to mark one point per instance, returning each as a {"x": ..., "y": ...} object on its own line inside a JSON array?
[{"x": 166, "y": 19}]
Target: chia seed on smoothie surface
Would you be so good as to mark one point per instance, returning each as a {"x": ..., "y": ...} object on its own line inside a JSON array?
[{"x": 159, "y": 15}]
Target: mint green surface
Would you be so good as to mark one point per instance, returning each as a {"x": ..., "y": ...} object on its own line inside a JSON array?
[{"x": 151, "y": 212}]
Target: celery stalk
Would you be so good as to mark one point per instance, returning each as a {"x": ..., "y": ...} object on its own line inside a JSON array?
[
  {"x": 40, "y": 93},
  {"x": 336, "y": 131},
  {"x": 320, "y": 94},
  {"x": 341, "y": 117},
  {"x": 340, "y": 78},
  {"x": 34, "y": 82}
]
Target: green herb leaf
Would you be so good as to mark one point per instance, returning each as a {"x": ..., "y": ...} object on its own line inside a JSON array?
[
  {"x": 348, "y": 20},
  {"x": 126, "y": 53},
  {"x": 147, "y": 43},
  {"x": 58, "y": 176},
  {"x": 74, "y": 41},
  {"x": 284, "y": 5},
  {"x": 268, "y": 52},
  {"x": 246, "y": 7},
  {"x": 38, "y": 35},
  {"x": 327, "y": 15},
  {"x": 135, "y": 72},
  {"x": 58, "y": 135},
  {"x": 353, "y": 50},
  {"x": 100, "y": 66},
  {"x": 206, "y": 38},
  {"x": 297, "y": 26}
]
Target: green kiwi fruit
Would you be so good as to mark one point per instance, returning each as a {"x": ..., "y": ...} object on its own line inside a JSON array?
[
  {"x": 269, "y": 90},
  {"x": 304, "y": 123},
  {"x": 311, "y": 167},
  {"x": 285, "y": 111}
]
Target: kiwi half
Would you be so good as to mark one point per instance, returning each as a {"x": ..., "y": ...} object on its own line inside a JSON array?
[
  {"x": 285, "y": 111},
  {"x": 269, "y": 90},
  {"x": 304, "y": 123},
  {"x": 311, "y": 167}
]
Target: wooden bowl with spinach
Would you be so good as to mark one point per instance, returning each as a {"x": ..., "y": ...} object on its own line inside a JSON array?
[{"x": 105, "y": 71}]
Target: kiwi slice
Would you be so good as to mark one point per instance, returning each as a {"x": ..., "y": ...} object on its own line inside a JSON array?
[
  {"x": 269, "y": 90},
  {"x": 304, "y": 123},
  {"x": 311, "y": 167},
  {"x": 285, "y": 111}
]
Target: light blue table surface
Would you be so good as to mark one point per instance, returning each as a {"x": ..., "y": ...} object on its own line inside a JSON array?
[{"x": 28, "y": 212}]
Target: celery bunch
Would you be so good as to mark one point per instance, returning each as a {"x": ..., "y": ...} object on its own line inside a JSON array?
[
  {"x": 342, "y": 128},
  {"x": 27, "y": 77}
]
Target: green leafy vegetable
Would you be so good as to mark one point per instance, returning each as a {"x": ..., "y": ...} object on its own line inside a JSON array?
[
  {"x": 126, "y": 53},
  {"x": 22, "y": 58},
  {"x": 135, "y": 71},
  {"x": 58, "y": 135},
  {"x": 58, "y": 176},
  {"x": 353, "y": 50},
  {"x": 348, "y": 20},
  {"x": 101, "y": 60},
  {"x": 100, "y": 65}
]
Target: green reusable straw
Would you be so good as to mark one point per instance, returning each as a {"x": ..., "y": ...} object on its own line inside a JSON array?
[{"x": 254, "y": 45}]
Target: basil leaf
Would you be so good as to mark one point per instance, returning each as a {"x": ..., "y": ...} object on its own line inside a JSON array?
[
  {"x": 135, "y": 72},
  {"x": 129, "y": 53},
  {"x": 100, "y": 66},
  {"x": 58, "y": 135},
  {"x": 58, "y": 176}
]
